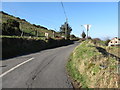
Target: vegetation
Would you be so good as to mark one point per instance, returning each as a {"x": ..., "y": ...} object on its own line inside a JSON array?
[
  {"x": 94, "y": 65},
  {"x": 14, "y": 45},
  {"x": 73, "y": 37},
  {"x": 11, "y": 28},
  {"x": 19, "y": 37},
  {"x": 24, "y": 26},
  {"x": 107, "y": 41},
  {"x": 65, "y": 29},
  {"x": 20, "y": 27},
  {"x": 83, "y": 34}
]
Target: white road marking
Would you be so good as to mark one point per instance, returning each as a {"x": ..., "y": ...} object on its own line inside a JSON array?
[{"x": 3, "y": 74}]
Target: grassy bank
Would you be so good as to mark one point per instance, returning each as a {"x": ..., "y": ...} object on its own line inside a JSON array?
[
  {"x": 93, "y": 65},
  {"x": 14, "y": 46},
  {"x": 27, "y": 28}
]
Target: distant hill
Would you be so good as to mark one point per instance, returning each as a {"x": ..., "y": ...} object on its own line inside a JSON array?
[{"x": 27, "y": 28}]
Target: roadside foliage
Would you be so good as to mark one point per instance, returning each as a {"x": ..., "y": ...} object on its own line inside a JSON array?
[{"x": 94, "y": 65}]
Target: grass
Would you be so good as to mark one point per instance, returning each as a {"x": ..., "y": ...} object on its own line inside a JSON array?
[
  {"x": 24, "y": 37},
  {"x": 25, "y": 26},
  {"x": 91, "y": 68},
  {"x": 75, "y": 74}
]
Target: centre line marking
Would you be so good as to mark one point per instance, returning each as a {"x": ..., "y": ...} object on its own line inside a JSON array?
[{"x": 3, "y": 74}]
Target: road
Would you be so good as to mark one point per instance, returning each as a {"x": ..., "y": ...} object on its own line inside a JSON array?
[{"x": 44, "y": 69}]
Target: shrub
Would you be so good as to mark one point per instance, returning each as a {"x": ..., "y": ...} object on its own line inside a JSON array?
[
  {"x": 89, "y": 37},
  {"x": 82, "y": 39},
  {"x": 18, "y": 18},
  {"x": 23, "y": 20},
  {"x": 83, "y": 34},
  {"x": 96, "y": 40},
  {"x": 107, "y": 41},
  {"x": 11, "y": 28}
]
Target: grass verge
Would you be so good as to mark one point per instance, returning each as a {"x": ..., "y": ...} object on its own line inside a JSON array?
[{"x": 93, "y": 66}]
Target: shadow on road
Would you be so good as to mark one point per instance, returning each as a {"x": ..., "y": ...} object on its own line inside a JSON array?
[{"x": 35, "y": 51}]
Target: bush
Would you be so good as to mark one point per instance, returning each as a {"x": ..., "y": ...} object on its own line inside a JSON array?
[
  {"x": 24, "y": 20},
  {"x": 83, "y": 34},
  {"x": 13, "y": 23},
  {"x": 89, "y": 37},
  {"x": 11, "y": 28},
  {"x": 18, "y": 18},
  {"x": 82, "y": 39},
  {"x": 96, "y": 40},
  {"x": 107, "y": 41}
]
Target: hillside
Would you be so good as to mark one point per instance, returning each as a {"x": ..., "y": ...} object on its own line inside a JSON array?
[
  {"x": 26, "y": 27},
  {"x": 94, "y": 66},
  {"x": 22, "y": 37}
]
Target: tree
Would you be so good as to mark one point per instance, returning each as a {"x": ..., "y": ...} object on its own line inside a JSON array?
[
  {"x": 11, "y": 27},
  {"x": 107, "y": 41},
  {"x": 66, "y": 30},
  {"x": 83, "y": 34},
  {"x": 13, "y": 23}
]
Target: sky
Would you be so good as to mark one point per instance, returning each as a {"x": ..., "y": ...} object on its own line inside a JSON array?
[{"x": 103, "y": 16}]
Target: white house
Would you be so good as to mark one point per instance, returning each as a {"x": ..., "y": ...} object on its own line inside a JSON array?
[{"x": 114, "y": 42}]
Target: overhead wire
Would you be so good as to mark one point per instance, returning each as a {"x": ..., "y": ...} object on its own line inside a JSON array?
[{"x": 64, "y": 11}]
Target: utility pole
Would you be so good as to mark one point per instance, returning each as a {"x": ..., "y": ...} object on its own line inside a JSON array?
[
  {"x": 37, "y": 33},
  {"x": 66, "y": 31},
  {"x": 53, "y": 34},
  {"x": 22, "y": 33},
  {"x": 21, "y": 30}
]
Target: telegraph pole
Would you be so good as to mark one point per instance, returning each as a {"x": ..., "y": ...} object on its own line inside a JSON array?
[
  {"x": 53, "y": 34},
  {"x": 22, "y": 33},
  {"x": 21, "y": 30},
  {"x": 37, "y": 33},
  {"x": 66, "y": 31}
]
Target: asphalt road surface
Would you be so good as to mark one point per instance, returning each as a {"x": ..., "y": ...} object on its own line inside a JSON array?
[{"x": 44, "y": 69}]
